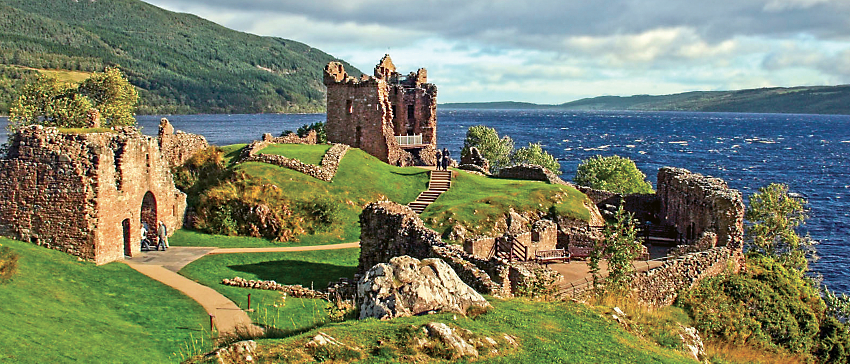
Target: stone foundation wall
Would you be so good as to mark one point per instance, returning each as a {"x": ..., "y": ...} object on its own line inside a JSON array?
[
  {"x": 176, "y": 146},
  {"x": 531, "y": 172},
  {"x": 694, "y": 204},
  {"x": 292, "y": 138},
  {"x": 325, "y": 172},
  {"x": 83, "y": 193},
  {"x": 480, "y": 247},
  {"x": 658, "y": 287},
  {"x": 389, "y": 230}
]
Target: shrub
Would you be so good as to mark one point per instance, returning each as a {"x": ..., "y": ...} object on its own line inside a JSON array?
[
  {"x": 8, "y": 264},
  {"x": 614, "y": 173},
  {"x": 768, "y": 307},
  {"x": 534, "y": 154},
  {"x": 620, "y": 247},
  {"x": 494, "y": 149}
]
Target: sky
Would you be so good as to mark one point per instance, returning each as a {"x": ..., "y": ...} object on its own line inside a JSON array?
[{"x": 555, "y": 51}]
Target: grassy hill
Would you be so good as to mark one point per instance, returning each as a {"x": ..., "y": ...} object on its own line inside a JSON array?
[
  {"x": 794, "y": 100},
  {"x": 59, "y": 310},
  {"x": 180, "y": 62}
]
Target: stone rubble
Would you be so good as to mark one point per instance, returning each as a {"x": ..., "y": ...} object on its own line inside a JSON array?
[{"x": 296, "y": 291}]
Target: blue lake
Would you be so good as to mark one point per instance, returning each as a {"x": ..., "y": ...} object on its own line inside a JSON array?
[{"x": 810, "y": 153}]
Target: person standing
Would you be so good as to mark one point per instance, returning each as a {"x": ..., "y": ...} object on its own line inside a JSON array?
[
  {"x": 163, "y": 235},
  {"x": 446, "y": 159},
  {"x": 439, "y": 159}
]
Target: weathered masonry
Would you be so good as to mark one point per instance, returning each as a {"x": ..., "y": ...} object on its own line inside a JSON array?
[
  {"x": 389, "y": 116},
  {"x": 86, "y": 194}
]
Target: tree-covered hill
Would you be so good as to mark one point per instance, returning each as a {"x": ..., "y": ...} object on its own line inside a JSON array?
[
  {"x": 180, "y": 62},
  {"x": 793, "y": 100}
]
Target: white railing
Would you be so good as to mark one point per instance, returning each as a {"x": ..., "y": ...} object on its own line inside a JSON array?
[{"x": 409, "y": 139}]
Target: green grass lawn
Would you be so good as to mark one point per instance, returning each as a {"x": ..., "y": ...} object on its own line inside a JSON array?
[
  {"x": 60, "y": 310},
  {"x": 480, "y": 202},
  {"x": 315, "y": 268},
  {"x": 310, "y": 154},
  {"x": 546, "y": 332},
  {"x": 361, "y": 179}
]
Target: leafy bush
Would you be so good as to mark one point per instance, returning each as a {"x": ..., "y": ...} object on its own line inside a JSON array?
[
  {"x": 614, "y": 173},
  {"x": 49, "y": 102},
  {"x": 203, "y": 170},
  {"x": 534, "y": 154},
  {"x": 768, "y": 307},
  {"x": 620, "y": 247},
  {"x": 494, "y": 149},
  {"x": 8, "y": 264},
  {"x": 773, "y": 217}
]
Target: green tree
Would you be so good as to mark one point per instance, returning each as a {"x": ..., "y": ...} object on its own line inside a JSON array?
[
  {"x": 773, "y": 218},
  {"x": 534, "y": 154},
  {"x": 112, "y": 95},
  {"x": 50, "y": 103},
  {"x": 620, "y": 247},
  {"x": 496, "y": 150},
  {"x": 614, "y": 173}
]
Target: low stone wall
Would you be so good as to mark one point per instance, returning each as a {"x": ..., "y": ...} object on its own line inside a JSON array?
[
  {"x": 177, "y": 146},
  {"x": 325, "y": 172},
  {"x": 659, "y": 287},
  {"x": 297, "y": 290},
  {"x": 481, "y": 247},
  {"x": 531, "y": 172},
  {"x": 291, "y": 138}
]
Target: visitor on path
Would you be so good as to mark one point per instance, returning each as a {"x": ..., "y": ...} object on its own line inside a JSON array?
[
  {"x": 163, "y": 234},
  {"x": 446, "y": 159},
  {"x": 145, "y": 229},
  {"x": 439, "y": 159}
]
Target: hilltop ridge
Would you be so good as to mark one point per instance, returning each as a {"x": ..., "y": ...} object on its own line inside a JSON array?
[
  {"x": 180, "y": 62},
  {"x": 788, "y": 100}
]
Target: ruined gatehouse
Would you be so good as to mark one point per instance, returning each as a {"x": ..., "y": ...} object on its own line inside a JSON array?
[
  {"x": 87, "y": 194},
  {"x": 388, "y": 115}
]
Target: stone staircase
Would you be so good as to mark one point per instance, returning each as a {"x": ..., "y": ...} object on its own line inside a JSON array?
[{"x": 439, "y": 183}]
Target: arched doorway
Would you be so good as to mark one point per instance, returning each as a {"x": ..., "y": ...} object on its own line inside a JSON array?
[
  {"x": 125, "y": 226},
  {"x": 148, "y": 216}
]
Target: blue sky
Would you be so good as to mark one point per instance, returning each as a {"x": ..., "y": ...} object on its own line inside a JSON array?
[{"x": 554, "y": 51}]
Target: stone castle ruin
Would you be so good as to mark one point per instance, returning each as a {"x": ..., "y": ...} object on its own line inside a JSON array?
[
  {"x": 88, "y": 194},
  {"x": 389, "y": 116}
]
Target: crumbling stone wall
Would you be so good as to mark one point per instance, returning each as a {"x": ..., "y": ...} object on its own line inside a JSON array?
[
  {"x": 325, "y": 171},
  {"x": 659, "y": 287},
  {"x": 531, "y": 172},
  {"x": 694, "y": 204},
  {"x": 388, "y": 230},
  {"x": 292, "y": 138},
  {"x": 368, "y": 112},
  {"x": 82, "y": 193},
  {"x": 176, "y": 146}
]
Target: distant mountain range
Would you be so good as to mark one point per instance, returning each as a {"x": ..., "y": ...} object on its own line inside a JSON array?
[
  {"x": 180, "y": 62},
  {"x": 793, "y": 100}
]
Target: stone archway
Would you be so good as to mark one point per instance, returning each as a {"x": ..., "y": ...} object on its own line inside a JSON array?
[{"x": 149, "y": 215}]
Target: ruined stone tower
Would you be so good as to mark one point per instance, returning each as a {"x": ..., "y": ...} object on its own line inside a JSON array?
[
  {"x": 86, "y": 194},
  {"x": 389, "y": 116}
]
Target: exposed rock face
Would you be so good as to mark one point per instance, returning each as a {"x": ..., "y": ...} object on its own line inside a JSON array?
[
  {"x": 407, "y": 286},
  {"x": 388, "y": 230},
  {"x": 451, "y": 339}
]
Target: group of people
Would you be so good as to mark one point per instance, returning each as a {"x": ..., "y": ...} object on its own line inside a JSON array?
[
  {"x": 161, "y": 233},
  {"x": 443, "y": 159}
]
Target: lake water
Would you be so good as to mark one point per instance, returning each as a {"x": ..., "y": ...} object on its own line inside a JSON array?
[{"x": 810, "y": 153}]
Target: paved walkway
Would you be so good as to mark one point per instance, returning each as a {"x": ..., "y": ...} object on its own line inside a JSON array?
[{"x": 164, "y": 265}]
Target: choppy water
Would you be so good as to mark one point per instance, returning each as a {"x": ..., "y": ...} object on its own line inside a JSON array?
[{"x": 810, "y": 153}]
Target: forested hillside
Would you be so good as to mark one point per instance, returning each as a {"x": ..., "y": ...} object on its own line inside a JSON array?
[
  {"x": 180, "y": 62},
  {"x": 790, "y": 100}
]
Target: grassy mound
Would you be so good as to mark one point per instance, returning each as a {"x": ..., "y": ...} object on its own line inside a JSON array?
[
  {"x": 545, "y": 332},
  {"x": 479, "y": 203},
  {"x": 57, "y": 309},
  {"x": 311, "y": 268},
  {"x": 310, "y": 154}
]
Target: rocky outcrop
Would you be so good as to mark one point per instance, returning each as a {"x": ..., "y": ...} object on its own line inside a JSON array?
[
  {"x": 475, "y": 161},
  {"x": 407, "y": 286},
  {"x": 451, "y": 339}
]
